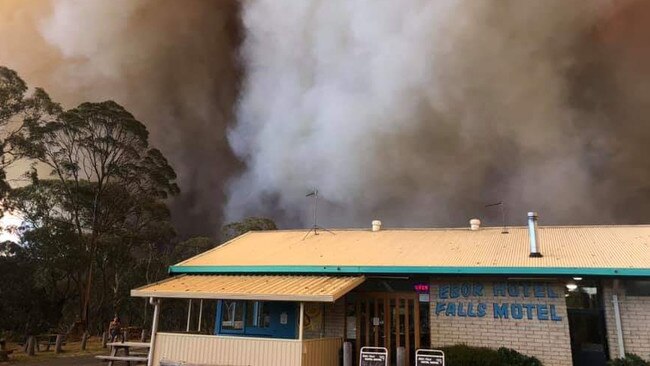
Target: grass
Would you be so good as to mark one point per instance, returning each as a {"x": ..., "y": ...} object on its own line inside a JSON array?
[{"x": 70, "y": 349}]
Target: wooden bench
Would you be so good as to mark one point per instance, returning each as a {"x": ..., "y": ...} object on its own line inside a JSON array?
[
  {"x": 47, "y": 340},
  {"x": 127, "y": 359}
]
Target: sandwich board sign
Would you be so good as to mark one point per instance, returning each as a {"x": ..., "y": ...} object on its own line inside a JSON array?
[
  {"x": 373, "y": 356},
  {"x": 428, "y": 357}
]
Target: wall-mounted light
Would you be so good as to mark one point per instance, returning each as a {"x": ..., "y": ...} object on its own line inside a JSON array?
[
  {"x": 571, "y": 286},
  {"x": 577, "y": 278}
]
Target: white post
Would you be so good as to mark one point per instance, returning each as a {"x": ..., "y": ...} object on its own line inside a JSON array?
[
  {"x": 200, "y": 315},
  {"x": 301, "y": 321},
  {"x": 154, "y": 328},
  {"x": 617, "y": 318},
  {"x": 189, "y": 314}
]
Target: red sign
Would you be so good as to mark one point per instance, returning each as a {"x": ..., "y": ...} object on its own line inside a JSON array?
[{"x": 421, "y": 288}]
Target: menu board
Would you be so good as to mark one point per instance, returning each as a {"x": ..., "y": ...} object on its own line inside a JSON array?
[
  {"x": 373, "y": 356},
  {"x": 429, "y": 357}
]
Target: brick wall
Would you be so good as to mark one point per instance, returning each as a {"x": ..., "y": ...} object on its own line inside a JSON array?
[
  {"x": 547, "y": 339},
  {"x": 635, "y": 321}
]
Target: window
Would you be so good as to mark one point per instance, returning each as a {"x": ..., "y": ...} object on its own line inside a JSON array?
[
  {"x": 637, "y": 288},
  {"x": 232, "y": 315},
  {"x": 257, "y": 314}
]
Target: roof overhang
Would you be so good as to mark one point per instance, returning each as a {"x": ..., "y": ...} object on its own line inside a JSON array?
[
  {"x": 421, "y": 270},
  {"x": 252, "y": 287}
]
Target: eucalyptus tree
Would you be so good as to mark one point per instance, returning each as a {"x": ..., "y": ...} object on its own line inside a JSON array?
[{"x": 104, "y": 172}]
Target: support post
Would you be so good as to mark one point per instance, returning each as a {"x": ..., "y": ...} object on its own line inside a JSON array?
[
  {"x": 143, "y": 335},
  {"x": 31, "y": 346},
  {"x": 189, "y": 314},
  {"x": 301, "y": 321},
  {"x": 58, "y": 344},
  {"x": 104, "y": 339},
  {"x": 347, "y": 354},
  {"x": 617, "y": 318},
  {"x": 198, "y": 328},
  {"x": 84, "y": 340},
  {"x": 154, "y": 328},
  {"x": 401, "y": 356}
]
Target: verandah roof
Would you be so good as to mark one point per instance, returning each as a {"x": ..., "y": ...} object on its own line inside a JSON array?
[{"x": 269, "y": 288}]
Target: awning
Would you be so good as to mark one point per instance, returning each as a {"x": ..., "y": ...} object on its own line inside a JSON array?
[{"x": 264, "y": 287}]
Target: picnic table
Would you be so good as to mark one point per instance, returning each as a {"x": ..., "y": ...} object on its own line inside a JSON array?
[
  {"x": 140, "y": 356},
  {"x": 46, "y": 340}
]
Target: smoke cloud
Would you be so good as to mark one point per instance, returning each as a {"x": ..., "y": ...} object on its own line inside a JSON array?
[
  {"x": 414, "y": 112},
  {"x": 421, "y": 112},
  {"x": 172, "y": 63}
]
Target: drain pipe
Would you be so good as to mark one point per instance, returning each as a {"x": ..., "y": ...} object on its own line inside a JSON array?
[{"x": 617, "y": 318}]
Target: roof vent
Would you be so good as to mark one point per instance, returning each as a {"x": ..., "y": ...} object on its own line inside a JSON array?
[
  {"x": 376, "y": 225},
  {"x": 474, "y": 224},
  {"x": 534, "y": 237}
]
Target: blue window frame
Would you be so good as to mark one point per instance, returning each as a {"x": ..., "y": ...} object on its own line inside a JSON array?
[{"x": 273, "y": 319}]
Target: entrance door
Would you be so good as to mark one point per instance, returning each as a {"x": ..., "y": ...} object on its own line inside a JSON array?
[{"x": 390, "y": 320}]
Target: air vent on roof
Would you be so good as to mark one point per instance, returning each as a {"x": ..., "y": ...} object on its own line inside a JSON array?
[
  {"x": 376, "y": 225},
  {"x": 474, "y": 224}
]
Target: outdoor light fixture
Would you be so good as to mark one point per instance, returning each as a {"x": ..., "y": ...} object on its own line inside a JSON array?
[
  {"x": 577, "y": 278},
  {"x": 571, "y": 286}
]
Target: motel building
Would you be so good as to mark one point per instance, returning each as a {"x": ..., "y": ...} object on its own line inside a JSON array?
[{"x": 573, "y": 295}]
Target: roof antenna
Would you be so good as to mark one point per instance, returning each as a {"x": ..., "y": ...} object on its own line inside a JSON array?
[
  {"x": 315, "y": 227},
  {"x": 503, "y": 215}
]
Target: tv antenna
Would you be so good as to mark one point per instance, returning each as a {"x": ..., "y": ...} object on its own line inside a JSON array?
[
  {"x": 503, "y": 215},
  {"x": 315, "y": 227}
]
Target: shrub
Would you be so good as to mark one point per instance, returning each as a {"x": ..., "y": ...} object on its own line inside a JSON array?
[
  {"x": 463, "y": 355},
  {"x": 629, "y": 360}
]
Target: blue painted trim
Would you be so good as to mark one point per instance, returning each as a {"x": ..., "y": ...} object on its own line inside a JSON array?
[{"x": 431, "y": 270}]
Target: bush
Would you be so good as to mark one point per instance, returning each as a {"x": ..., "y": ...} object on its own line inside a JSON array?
[
  {"x": 463, "y": 355},
  {"x": 629, "y": 360}
]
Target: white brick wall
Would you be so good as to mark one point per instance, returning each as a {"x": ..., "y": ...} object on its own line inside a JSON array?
[
  {"x": 635, "y": 322},
  {"x": 545, "y": 339}
]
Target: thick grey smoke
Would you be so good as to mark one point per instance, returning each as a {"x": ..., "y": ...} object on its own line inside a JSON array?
[
  {"x": 420, "y": 112},
  {"x": 172, "y": 63}
]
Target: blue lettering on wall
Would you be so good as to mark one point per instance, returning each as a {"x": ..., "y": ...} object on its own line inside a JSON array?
[
  {"x": 470, "y": 310},
  {"x": 513, "y": 289},
  {"x": 440, "y": 307},
  {"x": 461, "y": 310},
  {"x": 554, "y": 316},
  {"x": 443, "y": 292},
  {"x": 499, "y": 289},
  {"x": 482, "y": 309},
  {"x": 451, "y": 309},
  {"x": 529, "y": 310},
  {"x": 510, "y": 310},
  {"x": 542, "y": 312},
  {"x": 477, "y": 289},
  {"x": 454, "y": 292},
  {"x": 500, "y": 311}
]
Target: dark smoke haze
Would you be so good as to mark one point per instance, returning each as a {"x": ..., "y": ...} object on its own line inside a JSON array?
[
  {"x": 415, "y": 112},
  {"x": 172, "y": 63}
]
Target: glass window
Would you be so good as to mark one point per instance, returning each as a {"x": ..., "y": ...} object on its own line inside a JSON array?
[
  {"x": 637, "y": 288},
  {"x": 257, "y": 314},
  {"x": 232, "y": 315}
]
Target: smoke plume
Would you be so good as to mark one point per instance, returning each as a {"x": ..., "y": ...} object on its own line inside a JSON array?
[
  {"x": 172, "y": 63},
  {"x": 421, "y": 112}
]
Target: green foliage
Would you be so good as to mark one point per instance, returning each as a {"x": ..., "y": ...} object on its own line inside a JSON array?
[
  {"x": 629, "y": 360},
  {"x": 235, "y": 229},
  {"x": 99, "y": 224},
  {"x": 463, "y": 355}
]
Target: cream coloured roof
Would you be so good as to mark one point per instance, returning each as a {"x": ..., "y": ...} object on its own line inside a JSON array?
[
  {"x": 617, "y": 248},
  {"x": 272, "y": 288}
]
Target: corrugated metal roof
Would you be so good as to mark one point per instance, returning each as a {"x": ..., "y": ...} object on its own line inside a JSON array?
[
  {"x": 578, "y": 249},
  {"x": 272, "y": 288}
]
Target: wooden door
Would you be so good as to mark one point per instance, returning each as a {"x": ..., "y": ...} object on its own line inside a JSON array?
[{"x": 390, "y": 320}]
